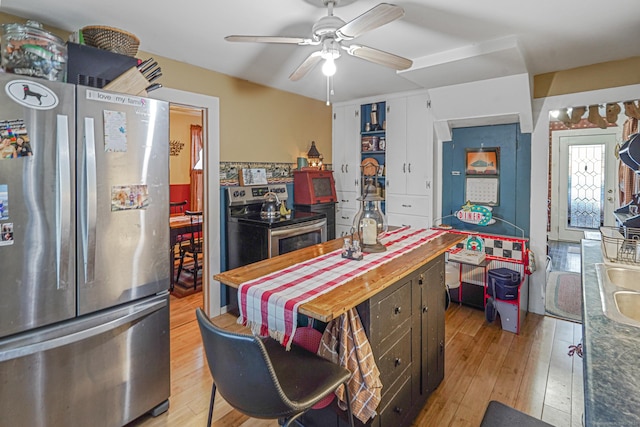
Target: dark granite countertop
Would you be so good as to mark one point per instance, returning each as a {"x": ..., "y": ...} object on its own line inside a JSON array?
[{"x": 611, "y": 355}]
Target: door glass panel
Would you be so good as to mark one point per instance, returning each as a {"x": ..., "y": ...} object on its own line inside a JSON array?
[{"x": 586, "y": 186}]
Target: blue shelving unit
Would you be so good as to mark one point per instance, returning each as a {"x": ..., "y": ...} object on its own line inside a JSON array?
[{"x": 373, "y": 138}]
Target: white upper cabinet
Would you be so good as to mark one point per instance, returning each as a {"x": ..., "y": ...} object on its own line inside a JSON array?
[
  {"x": 396, "y": 171},
  {"x": 419, "y": 146},
  {"x": 346, "y": 147},
  {"x": 407, "y": 156},
  {"x": 409, "y": 146}
]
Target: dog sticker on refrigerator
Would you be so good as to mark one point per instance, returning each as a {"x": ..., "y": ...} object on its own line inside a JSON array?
[
  {"x": 14, "y": 140},
  {"x": 127, "y": 197},
  {"x": 31, "y": 94},
  {"x": 115, "y": 131}
]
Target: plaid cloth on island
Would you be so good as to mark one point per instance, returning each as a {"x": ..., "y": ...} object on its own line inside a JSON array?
[
  {"x": 269, "y": 304},
  {"x": 345, "y": 342}
]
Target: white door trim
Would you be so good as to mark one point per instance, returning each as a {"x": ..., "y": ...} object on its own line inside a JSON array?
[
  {"x": 211, "y": 107},
  {"x": 559, "y": 179}
]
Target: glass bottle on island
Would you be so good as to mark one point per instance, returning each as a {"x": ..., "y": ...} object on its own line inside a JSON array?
[{"x": 370, "y": 222}]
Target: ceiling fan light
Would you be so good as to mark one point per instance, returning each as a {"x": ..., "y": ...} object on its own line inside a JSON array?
[{"x": 329, "y": 67}]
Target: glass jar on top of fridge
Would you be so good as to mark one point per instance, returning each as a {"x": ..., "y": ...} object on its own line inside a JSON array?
[{"x": 31, "y": 51}]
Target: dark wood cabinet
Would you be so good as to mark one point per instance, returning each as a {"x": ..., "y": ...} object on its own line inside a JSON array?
[
  {"x": 405, "y": 327},
  {"x": 389, "y": 318},
  {"x": 434, "y": 300}
]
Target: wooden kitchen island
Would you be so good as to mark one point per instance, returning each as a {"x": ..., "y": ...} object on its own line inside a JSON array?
[{"x": 401, "y": 304}]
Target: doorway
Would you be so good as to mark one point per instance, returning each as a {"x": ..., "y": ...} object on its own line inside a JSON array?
[
  {"x": 583, "y": 183},
  {"x": 210, "y": 107},
  {"x": 186, "y": 171}
]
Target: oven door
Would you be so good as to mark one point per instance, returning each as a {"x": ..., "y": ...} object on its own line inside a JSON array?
[{"x": 297, "y": 236}]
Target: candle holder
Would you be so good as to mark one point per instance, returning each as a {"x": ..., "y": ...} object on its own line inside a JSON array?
[
  {"x": 314, "y": 157},
  {"x": 370, "y": 222}
]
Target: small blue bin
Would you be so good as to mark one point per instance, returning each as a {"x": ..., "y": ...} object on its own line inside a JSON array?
[{"x": 506, "y": 283}]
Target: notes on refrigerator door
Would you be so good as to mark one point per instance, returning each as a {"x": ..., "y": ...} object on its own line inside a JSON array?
[
  {"x": 4, "y": 201},
  {"x": 7, "y": 234},
  {"x": 6, "y": 228},
  {"x": 115, "y": 131},
  {"x": 116, "y": 98},
  {"x": 14, "y": 140},
  {"x": 127, "y": 197}
]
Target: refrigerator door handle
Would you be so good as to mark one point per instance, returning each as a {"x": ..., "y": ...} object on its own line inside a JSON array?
[
  {"x": 90, "y": 202},
  {"x": 63, "y": 339},
  {"x": 63, "y": 202}
]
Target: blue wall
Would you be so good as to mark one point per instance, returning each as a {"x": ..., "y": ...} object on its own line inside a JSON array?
[{"x": 514, "y": 174}]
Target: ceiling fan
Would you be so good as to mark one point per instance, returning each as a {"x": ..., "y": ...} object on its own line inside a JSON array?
[{"x": 330, "y": 32}]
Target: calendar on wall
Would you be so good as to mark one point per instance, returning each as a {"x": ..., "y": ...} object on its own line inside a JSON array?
[{"x": 482, "y": 191}]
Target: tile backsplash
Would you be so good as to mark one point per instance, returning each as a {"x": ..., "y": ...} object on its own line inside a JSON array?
[{"x": 276, "y": 172}]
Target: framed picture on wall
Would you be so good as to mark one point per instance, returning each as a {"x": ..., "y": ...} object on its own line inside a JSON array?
[{"x": 482, "y": 161}]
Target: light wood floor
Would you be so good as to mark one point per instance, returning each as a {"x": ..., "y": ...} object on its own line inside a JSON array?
[{"x": 531, "y": 372}]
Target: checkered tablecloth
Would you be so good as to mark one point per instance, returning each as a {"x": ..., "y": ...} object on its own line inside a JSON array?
[{"x": 269, "y": 304}]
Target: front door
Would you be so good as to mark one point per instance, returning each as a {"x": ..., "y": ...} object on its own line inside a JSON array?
[{"x": 583, "y": 190}]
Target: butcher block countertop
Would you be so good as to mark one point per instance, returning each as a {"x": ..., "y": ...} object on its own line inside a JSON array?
[{"x": 338, "y": 301}]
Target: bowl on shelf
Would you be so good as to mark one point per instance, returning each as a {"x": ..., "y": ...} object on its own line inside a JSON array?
[{"x": 111, "y": 39}]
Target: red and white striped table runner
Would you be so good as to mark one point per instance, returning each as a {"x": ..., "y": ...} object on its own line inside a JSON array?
[{"x": 269, "y": 304}]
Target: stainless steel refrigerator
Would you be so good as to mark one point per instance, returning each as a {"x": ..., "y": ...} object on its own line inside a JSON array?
[{"x": 84, "y": 271}]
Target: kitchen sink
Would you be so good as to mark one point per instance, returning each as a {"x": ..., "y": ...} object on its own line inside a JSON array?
[
  {"x": 628, "y": 304},
  {"x": 620, "y": 292},
  {"x": 624, "y": 278}
]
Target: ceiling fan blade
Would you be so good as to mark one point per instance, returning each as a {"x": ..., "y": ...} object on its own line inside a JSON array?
[
  {"x": 379, "y": 57},
  {"x": 306, "y": 66},
  {"x": 373, "y": 18},
  {"x": 270, "y": 39}
]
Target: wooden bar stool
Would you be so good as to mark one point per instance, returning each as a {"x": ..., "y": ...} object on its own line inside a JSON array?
[
  {"x": 175, "y": 209},
  {"x": 192, "y": 248}
]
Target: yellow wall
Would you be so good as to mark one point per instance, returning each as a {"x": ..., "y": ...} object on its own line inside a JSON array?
[
  {"x": 257, "y": 123},
  {"x": 592, "y": 77},
  {"x": 180, "y": 130}
]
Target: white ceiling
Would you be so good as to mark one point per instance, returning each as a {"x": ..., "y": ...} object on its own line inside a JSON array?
[{"x": 450, "y": 41}]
